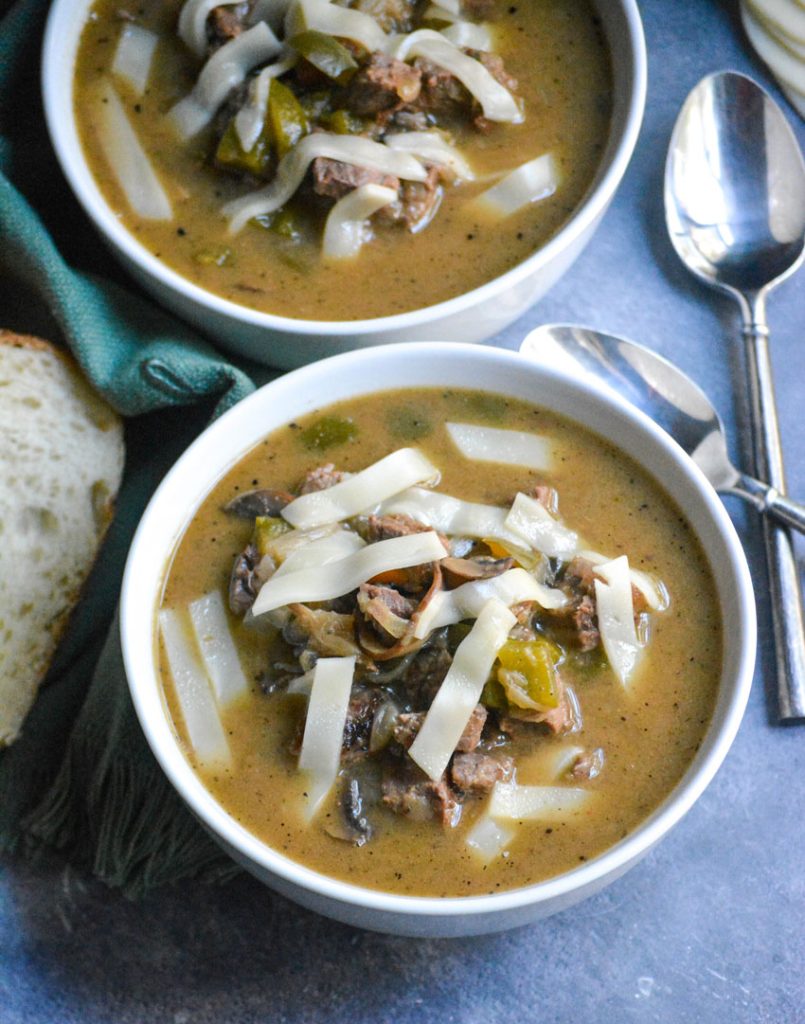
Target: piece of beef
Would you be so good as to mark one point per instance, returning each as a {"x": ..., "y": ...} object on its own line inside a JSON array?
[
  {"x": 391, "y": 15},
  {"x": 262, "y": 502},
  {"x": 587, "y": 765},
  {"x": 426, "y": 674},
  {"x": 419, "y": 201},
  {"x": 465, "y": 570},
  {"x": 408, "y": 726},
  {"x": 386, "y": 610},
  {"x": 408, "y": 791},
  {"x": 585, "y": 623},
  {"x": 579, "y": 576},
  {"x": 387, "y": 527},
  {"x": 478, "y": 773},
  {"x": 225, "y": 23},
  {"x": 564, "y": 718},
  {"x": 334, "y": 179},
  {"x": 382, "y": 86},
  {"x": 243, "y": 584},
  {"x": 547, "y": 496},
  {"x": 441, "y": 95},
  {"x": 321, "y": 478}
]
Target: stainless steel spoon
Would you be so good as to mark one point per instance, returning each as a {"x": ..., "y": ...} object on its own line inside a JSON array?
[
  {"x": 669, "y": 397},
  {"x": 735, "y": 208}
]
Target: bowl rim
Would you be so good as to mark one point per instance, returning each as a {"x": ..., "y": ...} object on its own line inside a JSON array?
[
  {"x": 59, "y": 116},
  {"x": 165, "y": 745}
]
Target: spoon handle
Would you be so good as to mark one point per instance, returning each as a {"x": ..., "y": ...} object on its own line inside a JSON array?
[
  {"x": 784, "y": 582},
  {"x": 770, "y": 502}
]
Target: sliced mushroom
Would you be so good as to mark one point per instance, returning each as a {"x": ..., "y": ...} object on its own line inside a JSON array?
[
  {"x": 264, "y": 502},
  {"x": 466, "y": 570}
]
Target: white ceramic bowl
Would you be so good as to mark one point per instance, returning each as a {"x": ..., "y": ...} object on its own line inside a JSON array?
[
  {"x": 437, "y": 364},
  {"x": 282, "y": 341}
]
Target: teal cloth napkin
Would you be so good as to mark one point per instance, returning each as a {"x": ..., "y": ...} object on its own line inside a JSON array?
[{"x": 81, "y": 779}]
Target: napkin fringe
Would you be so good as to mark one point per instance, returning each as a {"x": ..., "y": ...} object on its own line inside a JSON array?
[{"x": 125, "y": 823}]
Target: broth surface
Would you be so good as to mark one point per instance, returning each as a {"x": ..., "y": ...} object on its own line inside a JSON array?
[
  {"x": 649, "y": 734},
  {"x": 553, "y": 47}
]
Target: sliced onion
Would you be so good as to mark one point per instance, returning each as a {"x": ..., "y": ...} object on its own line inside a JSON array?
[
  {"x": 532, "y": 522},
  {"x": 251, "y": 118},
  {"x": 488, "y": 839},
  {"x": 222, "y": 73},
  {"x": 133, "y": 56},
  {"x": 302, "y": 685},
  {"x": 466, "y": 602},
  {"x": 444, "y": 8},
  {"x": 350, "y": 149},
  {"x": 389, "y": 475},
  {"x": 432, "y": 148},
  {"x": 511, "y": 802},
  {"x": 128, "y": 160},
  {"x": 615, "y": 609},
  {"x": 217, "y": 648},
  {"x": 532, "y": 181},
  {"x": 347, "y": 226},
  {"x": 323, "y": 583},
  {"x": 320, "y": 755},
  {"x": 452, "y": 515},
  {"x": 559, "y": 760},
  {"x": 272, "y": 11},
  {"x": 192, "y": 26},
  {"x": 496, "y": 101},
  {"x": 327, "y": 549},
  {"x": 196, "y": 702},
  {"x": 652, "y": 589},
  {"x": 461, "y": 689},
  {"x": 324, "y": 16},
  {"x": 508, "y": 447}
]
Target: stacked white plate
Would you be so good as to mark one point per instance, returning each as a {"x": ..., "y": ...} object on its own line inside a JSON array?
[{"x": 776, "y": 29}]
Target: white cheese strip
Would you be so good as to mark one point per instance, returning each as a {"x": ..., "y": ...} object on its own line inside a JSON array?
[
  {"x": 217, "y": 647},
  {"x": 496, "y": 101},
  {"x": 530, "y": 521},
  {"x": 134, "y": 55},
  {"x": 488, "y": 839},
  {"x": 507, "y": 447},
  {"x": 128, "y": 160},
  {"x": 192, "y": 25},
  {"x": 468, "y": 34},
  {"x": 327, "y": 549},
  {"x": 653, "y": 590},
  {"x": 510, "y": 802},
  {"x": 333, "y": 20},
  {"x": 615, "y": 609},
  {"x": 325, "y": 582},
  {"x": 433, "y": 148},
  {"x": 451, "y": 515},
  {"x": 196, "y": 702},
  {"x": 320, "y": 755},
  {"x": 531, "y": 182},
  {"x": 461, "y": 689},
  {"x": 447, "y": 607},
  {"x": 272, "y": 11},
  {"x": 361, "y": 491},
  {"x": 349, "y": 149},
  {"x": 347, "y": 226},
  {"x": 222, "y": 73}
]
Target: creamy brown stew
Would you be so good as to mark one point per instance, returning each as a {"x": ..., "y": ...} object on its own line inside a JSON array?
[
  {"x": 385, "y": 824},
  {"x": 432, "y": 242}
]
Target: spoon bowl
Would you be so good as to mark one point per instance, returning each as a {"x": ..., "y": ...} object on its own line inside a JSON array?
[
  {"x": 668, "y": 396},
  {"x": 735, "y": 186}
]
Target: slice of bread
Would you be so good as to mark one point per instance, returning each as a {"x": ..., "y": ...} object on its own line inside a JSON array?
[{"x": 61, "y": 460}]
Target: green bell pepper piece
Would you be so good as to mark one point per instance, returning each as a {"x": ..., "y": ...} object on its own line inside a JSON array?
[{"x": 326, "y": 54}]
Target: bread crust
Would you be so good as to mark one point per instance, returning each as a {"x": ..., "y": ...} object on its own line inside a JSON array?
[{"x": 18, "y": 690}]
